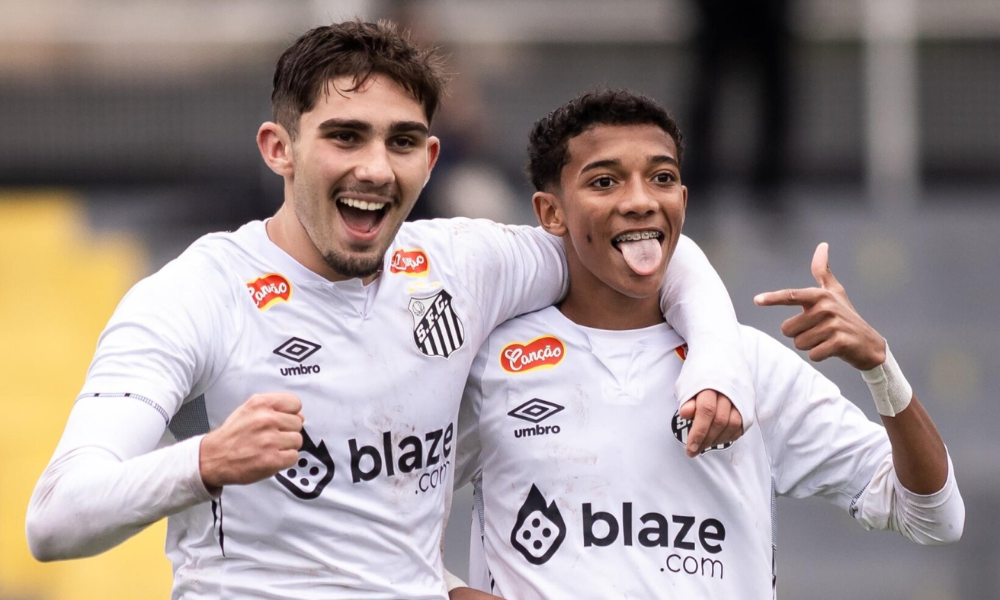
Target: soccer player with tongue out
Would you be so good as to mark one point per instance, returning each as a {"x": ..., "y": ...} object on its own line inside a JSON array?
[
  {"x": 575, "y": 448},
  {"x": 286, "y": 394}
]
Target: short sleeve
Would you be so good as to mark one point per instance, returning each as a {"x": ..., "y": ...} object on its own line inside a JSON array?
[
  {"x": 819, "y": 443},
  {"x": 168, "y": 336}
]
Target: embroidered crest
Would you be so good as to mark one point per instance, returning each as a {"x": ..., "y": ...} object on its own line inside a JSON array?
[{"x": 437, "y": 330}]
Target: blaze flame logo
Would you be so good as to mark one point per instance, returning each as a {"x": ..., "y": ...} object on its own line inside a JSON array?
[
  {"x": 310, "y": 474},
  {"x": 539, "y": 529}
]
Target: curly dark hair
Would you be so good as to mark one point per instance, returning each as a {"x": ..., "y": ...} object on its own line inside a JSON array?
[
  {"x": 357, "y": 49},
  {"x": 548, "y": 143}
]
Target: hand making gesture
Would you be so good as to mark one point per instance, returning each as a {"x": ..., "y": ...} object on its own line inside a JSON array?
[{"x": 828, "y": 325}]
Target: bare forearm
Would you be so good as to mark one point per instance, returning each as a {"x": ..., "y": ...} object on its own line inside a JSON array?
[
  {"x": 465, "y": 593},
  {"x": 918, "y": 453}
]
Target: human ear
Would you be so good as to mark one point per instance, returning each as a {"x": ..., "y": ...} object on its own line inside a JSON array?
[
  {"x": 550, "y": 215},
  {"x": 433, "y": 152},
  {"x": 275, "y": 147}
]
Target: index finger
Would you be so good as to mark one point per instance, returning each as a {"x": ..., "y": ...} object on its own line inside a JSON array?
[
  {"x": 706, "y": 401},
  {"x": 790, "y": 297}
]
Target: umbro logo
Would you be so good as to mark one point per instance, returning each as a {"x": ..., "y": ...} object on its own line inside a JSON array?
[
  {"x": 297, "y": 350},
  {"x": 535, "y": 411}
]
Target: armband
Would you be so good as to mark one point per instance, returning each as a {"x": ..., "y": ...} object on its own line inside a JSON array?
[{"x": 889, "y": 388}]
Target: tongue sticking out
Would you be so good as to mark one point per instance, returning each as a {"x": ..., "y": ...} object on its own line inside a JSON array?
[
  {"x": 359, "y": 220},
  {"x": 642, "y": 256}
]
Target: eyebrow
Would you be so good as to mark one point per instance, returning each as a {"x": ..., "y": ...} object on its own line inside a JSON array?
[
  {"x": 610, "y": 162},
  {"x": 365, "y": 127}
]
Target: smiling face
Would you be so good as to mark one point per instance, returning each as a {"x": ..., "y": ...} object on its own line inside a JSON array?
[
  {"x": 619, "y": 207},
  {"x": 352, "y": 174}
]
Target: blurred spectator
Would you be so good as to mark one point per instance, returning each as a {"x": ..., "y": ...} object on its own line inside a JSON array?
[
  {"x": 468, "y": 179},
  {"x": 753, "y": 35}
]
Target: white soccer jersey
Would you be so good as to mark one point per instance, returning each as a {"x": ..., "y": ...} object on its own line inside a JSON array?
[
  {"x": 583, "y": 489},
  {"x": 379, "y": 369}
]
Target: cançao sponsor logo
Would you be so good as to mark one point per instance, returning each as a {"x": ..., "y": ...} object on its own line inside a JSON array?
[
  {"x": 410, "y": 262},
  {"x": 540, "y": 353},
  {"x": 682, "y": 351},
  {"x": 268, "y": 290}
]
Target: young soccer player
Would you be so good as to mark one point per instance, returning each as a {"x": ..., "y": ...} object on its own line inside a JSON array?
[
  {"x": 572, "y": 440},
  {"x": 286, "y": 394}
]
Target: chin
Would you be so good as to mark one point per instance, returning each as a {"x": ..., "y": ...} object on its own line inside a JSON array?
[
  {"x": 636, "y": 286},
  {"x": 354, "y": 264}
]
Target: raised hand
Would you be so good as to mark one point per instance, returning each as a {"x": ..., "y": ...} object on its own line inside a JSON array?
[
  {"x": 828, "y": 325},
  {"x": 258, "y": 439}
]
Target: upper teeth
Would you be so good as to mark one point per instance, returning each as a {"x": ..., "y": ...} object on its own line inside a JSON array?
[
  {"x": 363, "y": 205},
  {"x": 635, "y": 236}
]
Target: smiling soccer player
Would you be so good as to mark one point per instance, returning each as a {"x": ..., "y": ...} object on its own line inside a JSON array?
[
  {"x": 286, "y": 394},
  {"x": 582, "y": 486}
]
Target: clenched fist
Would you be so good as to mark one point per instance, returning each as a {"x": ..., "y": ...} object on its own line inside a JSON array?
[{"x": 258, "y": 439}]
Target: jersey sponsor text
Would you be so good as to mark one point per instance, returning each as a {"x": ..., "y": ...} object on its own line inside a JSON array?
[
  {"x": 541, "y": 353},
  {"x": 268, "y": 290}
]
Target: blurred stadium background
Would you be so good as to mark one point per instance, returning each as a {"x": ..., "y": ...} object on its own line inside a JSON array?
[{"x": 127, "y": 130}]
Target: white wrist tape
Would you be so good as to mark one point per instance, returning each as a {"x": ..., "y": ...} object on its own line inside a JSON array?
[
  {"x": 452, "y": 581},
  {"x": 890, "y": 390}
]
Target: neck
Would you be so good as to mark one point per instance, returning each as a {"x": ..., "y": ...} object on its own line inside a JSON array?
[
  {"x": 287, "y": 233},
  {"x": 592, "y": 303}
]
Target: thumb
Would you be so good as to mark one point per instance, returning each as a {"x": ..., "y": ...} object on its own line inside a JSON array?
[{"x": 821, "y": 266}]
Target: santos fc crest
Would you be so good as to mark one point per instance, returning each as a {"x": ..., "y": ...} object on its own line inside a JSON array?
[{"x": 437, "y": 330}]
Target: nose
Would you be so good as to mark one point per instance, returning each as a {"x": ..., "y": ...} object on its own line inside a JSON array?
[
  {"x": 637, "y": 200},
  {"x": 374, "y": 165}
]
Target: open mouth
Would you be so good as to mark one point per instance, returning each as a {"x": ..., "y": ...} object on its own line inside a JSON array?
[
  {"x": 641, "y": 250},
  {"x": 362, "y": 216},
  {"x": 637, "y": 236}
]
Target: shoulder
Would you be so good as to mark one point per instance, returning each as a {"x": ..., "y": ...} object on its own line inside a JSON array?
[
  {"x": 765, "y": 353},
  {"x": 197, "y": 280}
]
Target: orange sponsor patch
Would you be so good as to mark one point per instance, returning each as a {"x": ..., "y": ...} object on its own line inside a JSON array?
[
  {"x": 268, "y": 290},
  {"x": 540, "y": 353},
  {"x": 410, "y": 262},
  {"x": 682, "y": 351}
]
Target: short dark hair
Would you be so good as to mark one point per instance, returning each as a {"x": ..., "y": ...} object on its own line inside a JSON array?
[
  {"x": 548, "y": 143},
  {"x": 356, "y": 49}
]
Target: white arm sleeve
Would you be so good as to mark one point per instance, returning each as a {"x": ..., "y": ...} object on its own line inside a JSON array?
[
  {"x": 932, "y": 520},
  {"x": 697, "y": 305},
  {"x": 512, "y": 270},
  {"x": 821, "y": 444},
  {"x": 93, "y": 497},
  {"x": 107, "y": 481}
]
